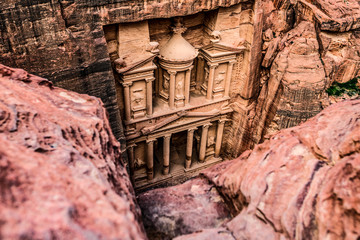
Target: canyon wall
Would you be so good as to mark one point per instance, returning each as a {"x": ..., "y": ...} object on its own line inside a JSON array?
[
  {"x": 306, "y": 46},
  {"x": 61, "y": 171},
  {"x": 303, "y": 183}
]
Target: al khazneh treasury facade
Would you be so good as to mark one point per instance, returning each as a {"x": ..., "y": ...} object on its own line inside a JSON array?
[{"x": 174, "y": 77}]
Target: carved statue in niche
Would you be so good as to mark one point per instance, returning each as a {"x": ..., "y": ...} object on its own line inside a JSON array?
[
  {"x": 210, "y": 141},
  {"x": 206, "y": 75},
  {"x": 139, "y": 162},
  {"x": 137, "y": 97},
  {"x": 220, "y": 78},
  {"x": 179, "y": 89},
  {"x": 166, "y": 82}
]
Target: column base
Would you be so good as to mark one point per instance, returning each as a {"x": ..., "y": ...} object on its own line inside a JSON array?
[
  {"x": 188, "y": 162},
  {"x": 150, "y": 174},
  {"x": 166, "y": 170}
]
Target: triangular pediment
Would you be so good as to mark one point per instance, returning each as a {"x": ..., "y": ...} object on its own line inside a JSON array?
[
  {"x": 181, "y": 122},
  {"x": 144, "y": 63}
]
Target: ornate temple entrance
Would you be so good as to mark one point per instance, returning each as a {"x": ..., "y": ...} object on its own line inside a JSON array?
[{"x": 175, "y": 93}]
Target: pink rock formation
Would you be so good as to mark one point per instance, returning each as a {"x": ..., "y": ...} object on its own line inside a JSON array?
[
  {"x": 61, "y": 173},
  {"x": 297, "y": 75},
  {"x": 182, "y": 209},
  {"x": 307, "y": 46},
  {"x": 303, "y": 183}
]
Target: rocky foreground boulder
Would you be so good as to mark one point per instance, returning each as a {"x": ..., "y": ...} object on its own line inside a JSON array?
[
  {"x": 303, "y": 183},
  {"x": 61, "y": 172}
]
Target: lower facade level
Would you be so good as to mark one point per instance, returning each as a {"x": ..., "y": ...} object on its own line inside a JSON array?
[{"x": 176, "y": 152}]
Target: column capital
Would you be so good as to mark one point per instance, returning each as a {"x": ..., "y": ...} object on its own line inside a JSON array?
[
  {"x": 151, "y": 140},
  {"x": 127, "y": 84},
  {"x": 232, "y": 62},
  {"x": 149, "y": 79},
  {"x": 207, "y": 125},
  {"x": 168, "y": 135},
  {"x": 201, "y": 57},
  {"x": 212, "y": 65},
  {"x": 172, "y": 72},
  {"x": 192, "y": 129},
  {"x": 190, "y": 68},
  {"x": 130, "y": 145},
  {"x": 223, "y": 120}
]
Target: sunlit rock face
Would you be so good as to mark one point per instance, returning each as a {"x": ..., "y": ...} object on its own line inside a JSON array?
[
  {"x": 303, "y": 183},
  {"x": 61, "y": 172},
  {"x": 294, "y": 184},
  {"x": 306, "y": 47}
]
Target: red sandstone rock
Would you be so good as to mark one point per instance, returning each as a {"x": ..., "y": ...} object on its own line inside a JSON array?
[
  {"x": 303, "y": 183},
  {"x": 182, "y": 209},
  {"x": 61, "y": 174}
]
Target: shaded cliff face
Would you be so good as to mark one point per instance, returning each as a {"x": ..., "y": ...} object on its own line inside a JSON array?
[
  {"x": 61, "y": 172},
  {"x": 303, "y": 183}
]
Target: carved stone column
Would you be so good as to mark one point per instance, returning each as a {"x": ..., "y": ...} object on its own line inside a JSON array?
[
  {"x": 149, "y": 106},
  {"x": 166, "y": 154},
  {"x": 131, "y": 156},
  {"x": 150, "y": 158},
  {"x": 211, "y": 80},
  {"x": 127, "y": 100},
  {"x": 187, "y": 85},
  {"x": 189, "y": 147},
  {"x": 219, "y": 136},
  {"x": 199, "y": 72},
  {"x": 228, "y": 78},
  {"x": 203, "y": 141},
  {"x": 172, "y": 89}
]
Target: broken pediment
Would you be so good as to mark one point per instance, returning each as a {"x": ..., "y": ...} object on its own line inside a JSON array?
[
  {"x": 146, "y": 63},
  {"x": 215, "y": 50}
]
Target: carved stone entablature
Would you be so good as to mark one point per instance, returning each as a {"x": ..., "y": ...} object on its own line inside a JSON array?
[
  {"x": 137, "y": 86},
  {"x": 217, "y": 74}
]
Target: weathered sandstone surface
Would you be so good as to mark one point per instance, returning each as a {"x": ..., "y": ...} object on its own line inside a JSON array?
[
  {"x": 307, "y": 45},
  {"x": 303, "y": 183},
  {"x": 182, "y": 209},
  {"x": 61, "y": 172}
]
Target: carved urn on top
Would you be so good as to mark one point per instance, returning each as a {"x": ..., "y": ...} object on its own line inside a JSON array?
[{"x": 176, "y": 60}]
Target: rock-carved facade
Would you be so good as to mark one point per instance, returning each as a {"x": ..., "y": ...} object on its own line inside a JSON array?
[{"x": 175, "y": 96}]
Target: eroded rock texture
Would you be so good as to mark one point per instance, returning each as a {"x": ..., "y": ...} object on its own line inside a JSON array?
[
  {"x": 307, "y": 45},
  {"x": 61, "y": 173},
  {"x": 303, "y": 183},
  {"x": 183, "y": 209}
]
